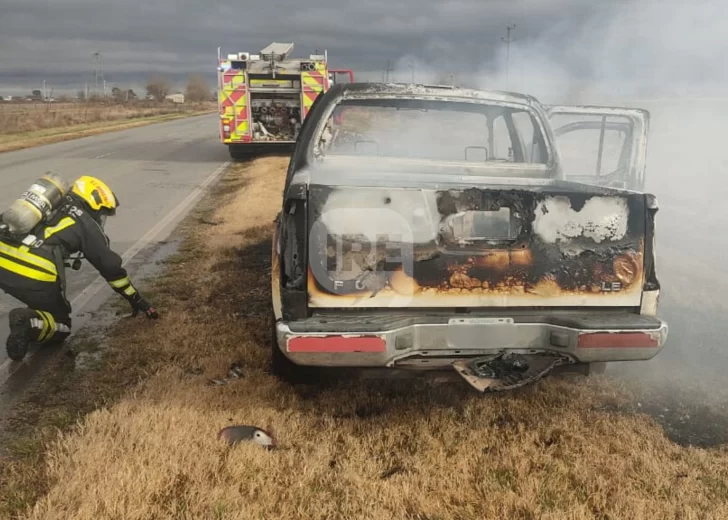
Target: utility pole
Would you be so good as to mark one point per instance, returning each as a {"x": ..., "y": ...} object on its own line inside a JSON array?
[
  {"x": 508, "y": 41},
  {"x": 412, "y": 68},
  {"x": 388, "y": 70},
  {"x": 98, "y": 71}
]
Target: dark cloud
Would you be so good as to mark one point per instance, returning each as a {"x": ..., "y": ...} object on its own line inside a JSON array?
[{"x": 556, "y": 40}]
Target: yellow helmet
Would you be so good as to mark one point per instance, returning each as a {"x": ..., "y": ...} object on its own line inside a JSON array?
[{"x": 96, "y": 194}]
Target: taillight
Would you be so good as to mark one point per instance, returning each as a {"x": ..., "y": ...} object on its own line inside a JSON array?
[
  {"x": 337, "y": 343},
  {"x": 618, "y": 340},
  {"x": 226, "y": 129}
]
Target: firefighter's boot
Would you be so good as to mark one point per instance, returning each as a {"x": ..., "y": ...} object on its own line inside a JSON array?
[{"x": 21, "y": 333}]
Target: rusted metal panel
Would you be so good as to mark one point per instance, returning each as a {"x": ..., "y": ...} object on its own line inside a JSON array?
[{"x": 555, "y": 248}]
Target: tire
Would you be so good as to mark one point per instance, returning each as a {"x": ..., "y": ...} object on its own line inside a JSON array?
[
  {"x": 596, "y": 369},
  {"x": 585, "y": 369},
  {"x": 239, "y": 152}
]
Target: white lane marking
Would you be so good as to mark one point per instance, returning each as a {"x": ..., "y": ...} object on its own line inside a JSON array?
[
  {"x": 99, "y": 283},
  {"x": 103, "y": 155}
]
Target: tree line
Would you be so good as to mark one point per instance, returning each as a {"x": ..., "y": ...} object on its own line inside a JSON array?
[{"x": 159, "y": 87}]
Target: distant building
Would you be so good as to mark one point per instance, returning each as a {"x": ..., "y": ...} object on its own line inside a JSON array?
[{"x": 175, "y": 98}]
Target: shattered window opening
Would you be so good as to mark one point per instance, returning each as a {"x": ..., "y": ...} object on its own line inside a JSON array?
[
  {"x": 477, "y": 226},
  {"x": 432, "y": 130},
  {"x": 593, "y": 145}
]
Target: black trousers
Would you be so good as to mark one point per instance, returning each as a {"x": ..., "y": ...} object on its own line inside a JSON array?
[{"x": 47, "y": 300}]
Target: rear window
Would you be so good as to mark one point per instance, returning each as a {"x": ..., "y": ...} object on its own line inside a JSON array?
[{"x": 433, "y": 130}]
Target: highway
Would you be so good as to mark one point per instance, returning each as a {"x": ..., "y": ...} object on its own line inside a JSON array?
[{"x": 158, "y": 173}]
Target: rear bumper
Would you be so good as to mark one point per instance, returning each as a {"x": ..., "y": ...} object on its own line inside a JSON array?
[
  {"x": 435, "y": 342},
  {"x": 260, "y": 143}
]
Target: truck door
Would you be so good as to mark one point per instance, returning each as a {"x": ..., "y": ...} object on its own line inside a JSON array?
[{"x": 603, "y": 146}]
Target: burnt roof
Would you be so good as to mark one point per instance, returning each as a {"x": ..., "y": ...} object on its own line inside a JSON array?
[{"x": 438, "y": 91}]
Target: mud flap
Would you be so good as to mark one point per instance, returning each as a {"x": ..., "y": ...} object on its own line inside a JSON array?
[{"x": 505, "y": 371}]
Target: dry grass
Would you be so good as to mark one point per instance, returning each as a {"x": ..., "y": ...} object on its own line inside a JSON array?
[
  {"x": 356, "y": 449},
  {"x": 23, "y": 126},
  {"x": 19, "y": 118}
]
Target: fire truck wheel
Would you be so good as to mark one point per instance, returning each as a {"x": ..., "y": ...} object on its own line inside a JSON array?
[{"x": 238, "y": 153}]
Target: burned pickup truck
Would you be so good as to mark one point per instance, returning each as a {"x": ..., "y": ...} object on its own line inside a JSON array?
[{"x": 480, "y": 232}]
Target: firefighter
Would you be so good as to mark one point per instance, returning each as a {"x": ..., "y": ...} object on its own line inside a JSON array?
[{"x": 35, "y": 274}]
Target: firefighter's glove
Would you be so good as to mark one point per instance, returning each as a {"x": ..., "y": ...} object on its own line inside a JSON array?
[{"x": 140, "y": 304}]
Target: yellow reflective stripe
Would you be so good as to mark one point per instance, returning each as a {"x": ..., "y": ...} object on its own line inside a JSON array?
[
  {"x": 46, "y": 330},
  {"x": 29, "y": 258},
  {"x": 130, "y": 291},
  {"x": 118, "y": 284},
  {"x": 63, "y": 224},
  {"x": 27, "y": 272},
  {"x": 51, "y": 326}
]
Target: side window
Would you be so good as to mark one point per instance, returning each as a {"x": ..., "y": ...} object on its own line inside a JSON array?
[
  {"x": 584, "y": 148},
  {"x": 592, "y": 145}
]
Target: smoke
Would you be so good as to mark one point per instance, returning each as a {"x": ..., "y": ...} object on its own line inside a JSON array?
[
  {"x": 622, "y": 50},
  {"x": 639, "y": 49},
  {"x": 666, "y": 57}
]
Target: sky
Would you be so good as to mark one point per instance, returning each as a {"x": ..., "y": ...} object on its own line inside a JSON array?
[{"x": 561, "y": 48}]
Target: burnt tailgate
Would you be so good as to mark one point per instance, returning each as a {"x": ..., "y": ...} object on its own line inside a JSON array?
[{"x": 467, "y": 247}]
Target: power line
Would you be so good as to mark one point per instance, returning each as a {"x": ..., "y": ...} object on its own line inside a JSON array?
[{"x": 508, "y": 41}]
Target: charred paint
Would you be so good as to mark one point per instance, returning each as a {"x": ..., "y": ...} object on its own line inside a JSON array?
[{"x": 597, "y": 259}]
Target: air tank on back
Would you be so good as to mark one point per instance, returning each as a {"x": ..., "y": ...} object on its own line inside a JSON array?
[{"x": 36, "y": 204}]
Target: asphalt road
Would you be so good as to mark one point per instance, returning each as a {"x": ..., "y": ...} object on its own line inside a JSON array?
[
  {"x": 687, "y": 168},
  {"x": 157, "y": 171}
]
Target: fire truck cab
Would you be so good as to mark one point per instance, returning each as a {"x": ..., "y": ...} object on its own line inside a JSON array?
[{"x": 263, "y": 98}]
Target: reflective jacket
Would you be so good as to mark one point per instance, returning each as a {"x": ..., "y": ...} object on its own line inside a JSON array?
[{"x": 71, "y": 230}]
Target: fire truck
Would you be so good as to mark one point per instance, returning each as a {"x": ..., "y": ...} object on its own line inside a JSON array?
[{"x": 263, "y": 98}]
